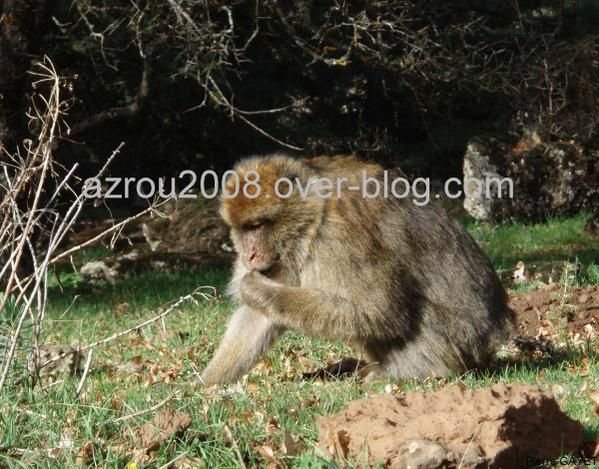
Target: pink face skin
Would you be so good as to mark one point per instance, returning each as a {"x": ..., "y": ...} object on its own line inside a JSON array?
[{"x": 256, "y": 257}]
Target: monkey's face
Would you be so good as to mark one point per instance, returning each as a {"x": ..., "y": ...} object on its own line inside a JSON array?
[
  {"x": 268, "y": 230},
  {"x": 256, "y": 245},
  {"x": 261, "y": 237}
]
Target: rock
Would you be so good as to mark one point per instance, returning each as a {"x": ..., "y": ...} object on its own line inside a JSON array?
[
  {"x": 478, "y": 167},
  {"x": 95, "y": 271},
  {"x": 423, "y": 453},
  {"x": 501, "y": 426},
  {"x": 547, "y": 178}
]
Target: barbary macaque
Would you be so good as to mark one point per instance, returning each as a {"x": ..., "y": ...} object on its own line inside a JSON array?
[{"x": 402, "y": 282}]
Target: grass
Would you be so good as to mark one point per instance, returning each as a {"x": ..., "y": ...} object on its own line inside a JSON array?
[
  {"x": 557, "y": 241},
  {"x": 273, "y": 403}
]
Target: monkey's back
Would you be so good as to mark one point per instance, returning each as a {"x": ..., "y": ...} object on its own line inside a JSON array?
[{"x": 439, "y": 292}]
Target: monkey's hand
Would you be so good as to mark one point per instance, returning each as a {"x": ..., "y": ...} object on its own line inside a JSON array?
[
  {"x": 310, "y": 310},
  {"x": 260, "y": 292}
]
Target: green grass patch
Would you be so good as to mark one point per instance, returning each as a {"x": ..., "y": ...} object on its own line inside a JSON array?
[
  {"x": 558, "y": 239},
  {"x": 163, "y": 360}
]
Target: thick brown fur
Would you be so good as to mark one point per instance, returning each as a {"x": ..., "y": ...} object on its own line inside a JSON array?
[{"x": 405, "y": 283}]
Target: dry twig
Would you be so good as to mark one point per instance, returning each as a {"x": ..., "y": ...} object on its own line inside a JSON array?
[
  {"x": 32, "y": 227},
  {"x": 124, "y": 418}
]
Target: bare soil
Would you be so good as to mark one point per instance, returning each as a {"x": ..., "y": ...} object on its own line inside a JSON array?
[
  {"x": 501, "y": 426},
  {"x": 545, "y": 313}
]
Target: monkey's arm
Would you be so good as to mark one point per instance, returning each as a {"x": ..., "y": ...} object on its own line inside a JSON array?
[
  {"x": 248, "y": 335},
  {"x": 317, "y": 312}
]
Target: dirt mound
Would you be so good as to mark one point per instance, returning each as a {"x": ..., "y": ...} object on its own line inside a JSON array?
[
  {"x": 501, "y": 426},
  {"x": 195, "y": 226},
  {"x": 185, "y": 226},
  {"x": 188, "y": 234},
  {"x": 541, "y": 313}
]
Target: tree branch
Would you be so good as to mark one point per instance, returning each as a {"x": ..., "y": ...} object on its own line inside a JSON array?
[{"x": 129, "y": 110}]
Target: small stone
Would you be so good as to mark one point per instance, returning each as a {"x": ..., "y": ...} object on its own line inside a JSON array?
[{"x": 422, "y": 453}]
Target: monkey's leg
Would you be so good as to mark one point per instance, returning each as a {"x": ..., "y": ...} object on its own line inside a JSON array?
[
  {"x": 248, "y": 335},
  {"x": 431, "y": 352}
]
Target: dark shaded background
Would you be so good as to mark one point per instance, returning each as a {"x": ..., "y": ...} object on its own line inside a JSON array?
[{"x": 406, "y": 83}]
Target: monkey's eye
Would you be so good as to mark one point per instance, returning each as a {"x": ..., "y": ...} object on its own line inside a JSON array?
[{"x": 253, "y": 225}]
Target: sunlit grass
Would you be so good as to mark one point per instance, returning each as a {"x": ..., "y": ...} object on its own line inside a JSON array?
[{"x": 274, "y": 399}]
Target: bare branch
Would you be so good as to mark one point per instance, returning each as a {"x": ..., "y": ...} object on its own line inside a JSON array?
[
  {"x": 220, "y": 99},
  {"x": 129, "y": 110}
]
